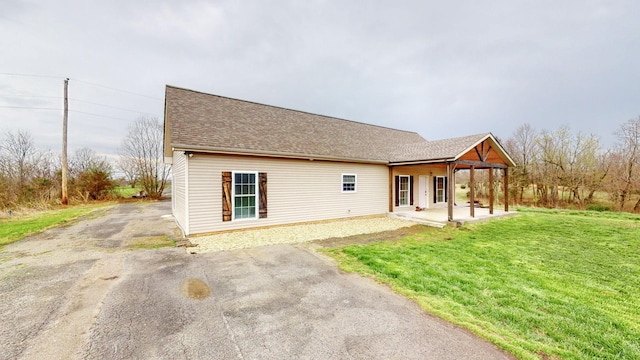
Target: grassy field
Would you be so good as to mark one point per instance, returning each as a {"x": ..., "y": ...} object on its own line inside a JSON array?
[
  {"x": 126, "y": 191},
  {"x": 17, "y": 227},
  {"x": 544, "y": 284},
  {"x": 601, "y": 199}
]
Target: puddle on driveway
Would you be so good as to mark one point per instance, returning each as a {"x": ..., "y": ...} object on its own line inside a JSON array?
[{"x": 195, "y": 289}]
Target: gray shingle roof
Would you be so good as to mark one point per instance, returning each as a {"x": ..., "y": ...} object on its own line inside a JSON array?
[
  {"x": 199, "y": 121},
  {"x": 435, "y": 150},
  {"x": 211, "y": 122}
]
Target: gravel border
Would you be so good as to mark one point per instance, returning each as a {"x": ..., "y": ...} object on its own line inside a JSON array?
[{"x": 291, "y": 234}]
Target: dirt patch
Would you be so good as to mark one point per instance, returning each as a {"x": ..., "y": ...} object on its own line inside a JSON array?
[
  {"x": 150, "y": 242},
  {"x": 195, "y": 289},
  {"x": 364, "y": 239}
]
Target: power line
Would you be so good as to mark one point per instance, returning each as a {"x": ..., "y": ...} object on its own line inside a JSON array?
[
  {"x": 58, "y": 109},
  {"x": 70, "y": 99},
  {"x": 110, "y": 106},
  {"x": 98, "y": 115},
  {"x": 84, "y": 82},
  {"x": 33, "y": 75},
  {"x": 77, "y": 111},
  {"x": 27, "y": 107},
  {"x": 114, "y": 89},
  {"x": 30, "y": 96}
]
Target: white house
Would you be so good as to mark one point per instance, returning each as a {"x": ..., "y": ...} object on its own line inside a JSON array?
[{"x": 239, "y": 164}]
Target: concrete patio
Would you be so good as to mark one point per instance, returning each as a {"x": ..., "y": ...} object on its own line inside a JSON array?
[{"x": 438, "y": 217}]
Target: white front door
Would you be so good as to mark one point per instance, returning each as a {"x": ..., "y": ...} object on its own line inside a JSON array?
[{"x": 423, "y": 186}]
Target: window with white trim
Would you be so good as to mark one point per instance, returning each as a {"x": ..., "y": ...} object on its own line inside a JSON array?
[
  {"x": 349, "y": 182},
  {"x": 403, "y": 190},
  {"x": 441, "y": 185},
  {"x": 245, "y": 195}
]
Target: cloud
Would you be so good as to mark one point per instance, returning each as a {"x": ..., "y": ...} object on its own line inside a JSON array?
[
  {"x": 195, "y": 22},
  {"x": 439, "y": 68},
  {"x": 12, "y": 10}
]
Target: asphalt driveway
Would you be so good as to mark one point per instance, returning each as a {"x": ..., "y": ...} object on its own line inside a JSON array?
[{"x": 94, "y": 301}]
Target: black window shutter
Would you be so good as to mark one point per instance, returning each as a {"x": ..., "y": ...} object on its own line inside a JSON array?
[
  {"x": 435, "y": 189},
  {"x": 446, "y": 188},
  {"x": 411, "y": 190},
  {"x": 262, "y": 178},
  {"x": 226, "y": 196},
  {"x": 397, "y": 191}
]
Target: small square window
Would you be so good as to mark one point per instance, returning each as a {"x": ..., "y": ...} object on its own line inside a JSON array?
[{"x": 349, "y": 182}]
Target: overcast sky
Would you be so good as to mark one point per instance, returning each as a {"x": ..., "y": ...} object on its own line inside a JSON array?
[{"x": 440, "y": 68}]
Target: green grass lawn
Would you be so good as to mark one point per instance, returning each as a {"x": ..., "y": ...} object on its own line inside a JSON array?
[
  {"x": 126, "y": 191},
  {"x": 543, "y": 284},
  {"x": 17, "y": 227}
]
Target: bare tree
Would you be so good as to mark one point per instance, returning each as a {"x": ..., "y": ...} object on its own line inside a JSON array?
[
  {"x": 142, "y": 153},
  {"x": 551, "y": 167},
  {"x": 20, "y": 152},
  {"x": 598, "y": 175},
  {"x": 522, "y": 147},
  {"x": 85, "y": 159},
  {"x": 618, "y": 186},
  {"x": 628, "y": 161},
  {"x": 581, "y": 165},
  {"x": 128, "y": 167},
  {"x": 20, "y": 159},
  {"x": 565, "y": 167},
  {"x": 5, "y": 181}
]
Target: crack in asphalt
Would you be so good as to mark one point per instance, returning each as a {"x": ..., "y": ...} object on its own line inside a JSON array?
[{"x": 231, "y": 336}]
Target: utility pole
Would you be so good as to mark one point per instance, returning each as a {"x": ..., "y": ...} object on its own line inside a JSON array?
[{"x": 65, "y": 165}]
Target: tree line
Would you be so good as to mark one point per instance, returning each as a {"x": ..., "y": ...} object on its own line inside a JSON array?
[
  {"x": 554, "y": 168},
  {"x": 30, "y": 177},
  {"x": 560, "y": 167}
]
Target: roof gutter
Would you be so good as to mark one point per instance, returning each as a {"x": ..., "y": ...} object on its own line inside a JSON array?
[
  {"x": 274, "y": 154},
  {"x": 419, "y": 162}
]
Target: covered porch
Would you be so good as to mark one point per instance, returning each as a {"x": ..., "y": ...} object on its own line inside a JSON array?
[
  {"x": 472, "y": 153},
  {"x": 439, "y": 217}
]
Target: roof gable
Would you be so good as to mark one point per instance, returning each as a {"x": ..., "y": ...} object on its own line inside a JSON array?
[
  {"x": 480, "y": 147},
  {"x": 207, "y": 122},
  {"x": 434, "y": 150}
]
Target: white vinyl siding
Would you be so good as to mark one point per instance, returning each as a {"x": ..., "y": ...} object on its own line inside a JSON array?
[
  {"x": 178, "y": 189},
  {"x": 297, "y": 191}
]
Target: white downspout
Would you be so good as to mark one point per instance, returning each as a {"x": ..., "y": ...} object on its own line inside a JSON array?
[{"x": 187, "y": 195}]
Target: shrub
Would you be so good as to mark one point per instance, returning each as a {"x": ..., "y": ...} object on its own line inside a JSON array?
[
  {"x": 598, "y": 207},
  {"x": 95, "y": 184}
]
